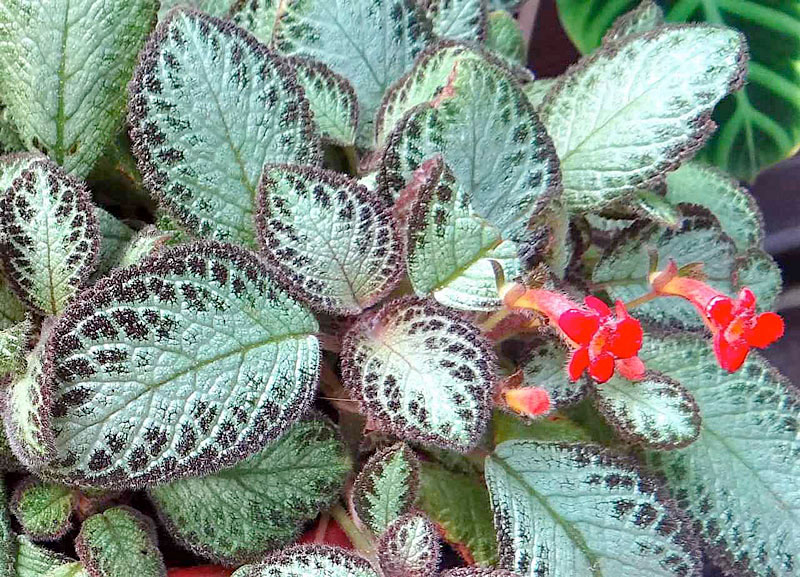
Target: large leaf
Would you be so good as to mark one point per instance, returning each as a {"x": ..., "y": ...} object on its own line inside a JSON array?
[
  {"x": 43, "y": 509},
  {"x": 581, "y": 510},
  {"x": 65, "y": 67},
  {"x": 52, "y": 237},
  {"x": 488, "y": 134},
  {"x": 382, "y": 39},
  {"x": 330, "y": 240},
  {"x": 310, "y": 561},
  {"x": 187, "y": 363},
  {"x": 410, "y": 547},
  {"x": 632, "y": 111},
  {"x": 209, "y": 106},
  {"x": 458, "y": 19},
  {"x": 451, "y": 251},
  {"x": 120, "y": 541},
  {"x": 423, "y": 372},
  {"x": 738, "y": 481},
  {"x": 237, "y": 514}
]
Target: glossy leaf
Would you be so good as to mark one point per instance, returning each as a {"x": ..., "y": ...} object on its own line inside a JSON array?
[
  {"x": 43, "y": 509},
  {"x": 410, "y": 547},
  {"x": 464, "y": 20},
  {"x": 203, "y": 360},
  {"x": 581, "y": 510},
  {"x": 758, "y": 270},
  {"x": 238, "y": 514},
  {"x": 504, "y": 38},
  {"x": 633, "y": 111},
  {"x": 424, "y": 373},
  {"x": 310, "y": 561},
  {"x": 209, "y": 106}
]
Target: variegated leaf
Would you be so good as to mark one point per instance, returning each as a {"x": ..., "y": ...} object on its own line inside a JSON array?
[
  {"x": 477, "y": 572},
  {"x": 410, "y": 547},
  {"x": 633, "y": 111},
  {"x": 75, "y": 569},
  {"x": 452, "y": 251},
  {"x": 27, "y": 417},
  {"x": 537, "y": 90},
  {"x": 423, "y": 372},
  {"x": 489, "y": 136},
  {"x": 383, "y": 38},
  {"x": 13, "y": 346},
  {"x": 759, "y": 271},
  {"x": 256, "y": 16},
  {"x": 581, "y": 510},
  {"x": 208, "y": 107},
  {"x": 332, "y": 101},
  {"x": 545, "y": 366},
  {"x": 35, "y": 561},
  {"x": 738, "y": 481},
  {"x": 187, "y": 363},
  {"x": 463, "y": 20},
  {"x": 645, "y": 17},
  {"x": 8, "y": 541},
  {"x": 310, "y": 561},
  {"x": 144, "y": 243},
  {"x": 114, "y": 238},
  {"x": 238, "y": 514},
  {"x": 43, "y": 509},
  {"x": 656, "y": 412},
  {"x": 52, "y": 237},
  {"x": 218, "y": 8},
  {"x": 330, "y": 240},
  {"x": 65, "y": 66},
  {"x": 504, "y": 38},
  {"x": 653, "y": 206},
  {"x": 386, "y": 487},
  {"x": 120, "y": 541}
]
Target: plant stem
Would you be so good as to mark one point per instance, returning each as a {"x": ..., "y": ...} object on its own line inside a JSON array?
[
  {"x": 641, "y": 300},
  {"x": 358, "y": 538}
]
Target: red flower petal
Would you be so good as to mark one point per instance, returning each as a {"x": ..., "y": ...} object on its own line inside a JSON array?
[
  {"x": 528, "y": 401},
  {"x": 579, "y": 325},
  {"x": 747, "y": 300},
  {"x": 602, "y": 367},
  {"x": 632, "y": 369},
  {"x": 720, "y": 310},
  {"x": 597, "y": 305},
  {"x": 578, "y": 363},
  {"x": 769, "y": 328},
  {"x": 626, "y": 340},
  {"x": 730, "y": 355}
]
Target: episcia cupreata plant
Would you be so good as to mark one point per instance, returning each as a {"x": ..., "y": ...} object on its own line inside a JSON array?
[{"x": 378, "y": 285}]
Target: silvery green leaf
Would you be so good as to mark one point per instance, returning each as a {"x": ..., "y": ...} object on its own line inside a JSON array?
[
  {"x": 386, "y": 487},
  {"x": 114, "y": 238},
  {"x": 489, "y": 136},
  {"x": 632, "y": 111},
  {"x": 144, "y": 243},
  {"x": 12, "y": 165},
  {"x": 759, "y": 271},
  {"x": 451, "y": 251},
  {"x": 463, "y": 20},
  {"x": 218, "y": 8},
  {"x": 75, "y": 569},
  {"x": 209, "y": 106},
  {"x": 653, "y": 206},
  {"x": 537, "y": 90},
  {"x": 35, "y": 561},
  {"x": 383, "y": 38},
  {"x": 310, "y": 561},
  {"x": 510, "y": 5},
  {"x": 504, "y": 38},
  {"x": 645, "y": 17},
  {"x": 332, "y": 100},
  {"x": 237, "y": 514},
  {"x": 13, "y": 346},
  {"x": 330, "y": 240},
  {"x": 423, "y": 372},
  {"x": 52, "y": 237},
  {"x": 410, "y": 547},
  {"x": 206, "y": 357},
  {"x": 738, "y": 481},
  {"x": 43, "y": 509},
  {"x": 545, "y": 366},
  {"x": 656, "y": 412},
  {"x": 734, "y": 207},
  {"x": 582, "y": 510},
  {"x": 27, "y": 418},
  {"x": 65, "y": 66},
  {"x": 477, "y": 572},
  {"x": 120, "y": 541},
  {"x": 256, "y": 16},
  {"x": 8, "y": 541},
  {"x": 624, "y": 267}
]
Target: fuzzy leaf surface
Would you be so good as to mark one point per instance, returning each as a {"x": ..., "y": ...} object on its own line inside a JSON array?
[
  {"x": 759, "y": 271},
  {"x": 632, "y": 111},
  {"x": 13, "y": 346},
  {"x": 537, "y": 90},
  {"x": 331, "y": 240},
  {"x": 75, "y": 569},
  {"x": 185, "y": 364},
  {"x": 410, "y": 547},
  {"x": 144, "y": 243},
  {"x": 256, "y": 16},
  {"x": 27, "y": 420},
  {"x": 423, "y": 372},
  {"x": 464, "y": 20},
  {"x": 8, "y": 541},
  {"x": 43, "y": 509},
  {"x": 545, "y": 367},
  {"x": 504, "y": 38},
  {"x": 580, "y": 510},
  {"x": 310, "y": 561},
  {"x": 208, "y": 107},
  {"x": 738, "y": 480},
  {"x": 114, "y": 237},
  {"x": 34, "y": 561},
  {"x": 645, "y": 17},
  {"x": 65, "y": 67},
  {"x": 477, "y": 572},
  {"x": 52, "y": 238},
  {"x": 237, "y": 514}
]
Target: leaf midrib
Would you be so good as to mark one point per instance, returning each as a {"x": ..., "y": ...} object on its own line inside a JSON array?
[{"x": 59, "y": 147}]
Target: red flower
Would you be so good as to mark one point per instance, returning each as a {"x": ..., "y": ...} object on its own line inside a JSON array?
[
  {"x": 528, "y": 401},
  {"x": 602, "y": 341}
]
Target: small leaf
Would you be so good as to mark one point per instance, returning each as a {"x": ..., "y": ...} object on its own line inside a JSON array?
[
  {"x": 458, "y": 19},
  {"x": 310, "y": 561},
  {"x": 489, "y": 136},
  {"x": 632, "y": 111},
  {"x": 35, "y": 561},
  {"x": 537, "y": 90},
  {"x": 386, "y": 487},
  {"x": 452, "y": 251},
  {"x": 645, "y": 17},
  {"x": 114, "y": 238},
  {"x": 256, "y": 16},
  {"x": 207, "y": 360},
  {"x": 469, "y": 529},
  {"x": 509, "y": 5},
  {"x": 8, "y": 542},
  {"x": 43, "y": 509},
  {"x": 423, "y": 372},
  {"x": 208, "y": 107},
  {"x": 734, "y": 207},
  {"x": 66, "y": 64},
  {"x": 332, "y": 101},
  {"x": 582, "y": 510},
  {"x": 383, "y": 39},
  {"x": 13, "y": 346},
  {"x": 119, "y": 541},
  {"x": 27, "y": 419},
  {"x": 655, "y": 207},
  {"x": 759, "y": 271},
  {"x": 477, "y": 572},
  {"x": 12, "y": 311},
  {"x": 504, "y": 38},
  {"x": 70, "y": 570},
  {"x": 410, "y": 547},
  {"x": 656, "y": 412},
  {"x": 545, "y": 366},
  {"x": 145, "y": 243},
  {"x": 238, "y": 514},
  {"x": 330, "y": 240},
  {"x": 52, "y": 236}
]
